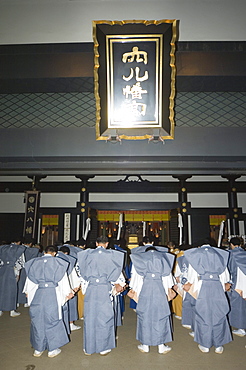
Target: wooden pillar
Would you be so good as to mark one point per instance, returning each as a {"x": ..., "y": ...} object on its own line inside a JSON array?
[{"x": 233, "y": 203}]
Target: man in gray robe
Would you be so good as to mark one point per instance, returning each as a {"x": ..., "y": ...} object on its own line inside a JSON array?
[
  {"x": 237, "y": 293},
  {"x": 208, "y": 276},
  {"x": 47, "y": 288},
  {"x": 100, "y": 268},
  {"x": 11, "y": 257},
  {"x": 151, "y": 283}
]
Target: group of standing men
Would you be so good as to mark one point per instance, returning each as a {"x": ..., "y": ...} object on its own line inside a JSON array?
[{"x": 52, "y": 282}]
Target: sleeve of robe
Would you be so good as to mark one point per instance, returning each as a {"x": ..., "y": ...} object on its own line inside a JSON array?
[
  {"x": 30, "y": 289},
  {"x": 193, "y": 279},
  {"x": 177, "y": 271},
  {"x": 74, "y": 279},
  {"x": 63, "y": 290},
  {"x": 168, "y": 282},
  {"x": 241, "y": 282},
  {"x": 84, "y": 284},
  {"x": 224, "y": 278},
  {"x": 136, "y": 281}
]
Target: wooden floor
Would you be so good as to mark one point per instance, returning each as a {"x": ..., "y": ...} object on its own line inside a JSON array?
[{"x": 16, "y": 352}]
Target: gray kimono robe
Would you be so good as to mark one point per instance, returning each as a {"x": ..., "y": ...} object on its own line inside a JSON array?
[
  {"x": 211, "y": 323},
  {"x": 237, "y": 316},
  {"x": 46, "y": 297},
  {"x": 99, "y": 267},
  {"x": 153, "y": 311},
  {"x": 9, "y": 254}
]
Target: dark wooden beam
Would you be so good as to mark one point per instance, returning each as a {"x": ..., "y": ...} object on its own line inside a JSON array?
[
  {"x": 123, "y": 165},
  {"x": 121, "y": 187}
]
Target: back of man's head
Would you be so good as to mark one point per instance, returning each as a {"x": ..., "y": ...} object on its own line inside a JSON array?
[
  {"x": 102, "y": 240},
  {"x": 148, "y": 240},
  {"x": 64, "y": 249},
  {"x": 51, "y": 249},
  {"x": 235, "y": 241}
]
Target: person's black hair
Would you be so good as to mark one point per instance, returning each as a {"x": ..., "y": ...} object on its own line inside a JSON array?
[
  {"x": 148, "y": 240},
  {"x": 64, "y": 249},
  {"x": 171, "y": 243},
  {"x": 235, "y": 241},
  {"x": 29, "y": 241},
  {"x": 51, "y": 249},
  {"x": 18, "y": 239},
  {"x": 102, "y": 239},
  {"x": 81, "y": 242}
]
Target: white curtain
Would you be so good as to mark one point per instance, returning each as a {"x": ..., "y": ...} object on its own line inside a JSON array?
[
  {"x": 144, "y": 228},
  {"x": 222, "y": 224},
  {"x": 120, "y": 225},
  {"x": 87, "y": 228},
  {"x": 180, "y": 226}
]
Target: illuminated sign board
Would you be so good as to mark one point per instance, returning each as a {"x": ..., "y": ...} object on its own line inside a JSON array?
[{"x": 134, "y": 74}]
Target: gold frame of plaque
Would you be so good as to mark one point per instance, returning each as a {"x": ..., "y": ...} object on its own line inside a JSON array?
[{"x": 134, "y": 76}]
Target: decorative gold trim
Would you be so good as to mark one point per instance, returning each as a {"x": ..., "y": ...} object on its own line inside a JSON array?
[
  {"x": 96, "y": 78},
  {"x": 173, "y": 76}
]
